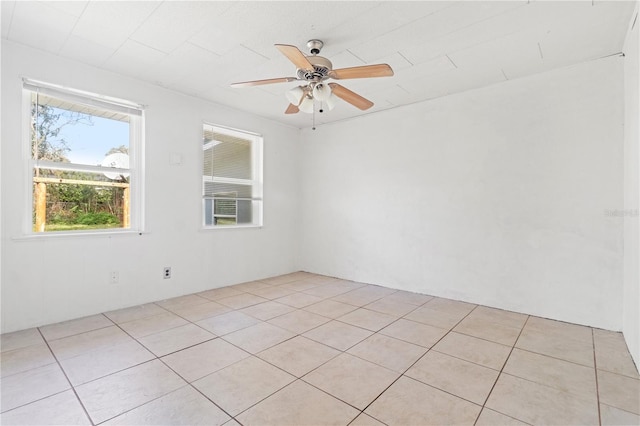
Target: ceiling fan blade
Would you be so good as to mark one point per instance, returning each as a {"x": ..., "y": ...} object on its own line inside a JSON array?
[
  {"x": 365, "y": 71},
  {"x": 292, "y": 109},
  {"x": 261, "y": 82},
  {"x": 295, "y": 55},
  {"x": 351, "y": 97}
]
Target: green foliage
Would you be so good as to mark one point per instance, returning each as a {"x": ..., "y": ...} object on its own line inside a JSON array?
[
  {"x": 97, "y": 218},
  {"x": 71, "y": 206}
]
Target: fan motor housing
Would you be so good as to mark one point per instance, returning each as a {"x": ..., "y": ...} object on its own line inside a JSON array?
[{"x": 321, "y": 68}]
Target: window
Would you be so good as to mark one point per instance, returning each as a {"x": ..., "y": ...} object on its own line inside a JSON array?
[
  {"x": 85, "y": 161},
  {"x": 231, "y": 178}
]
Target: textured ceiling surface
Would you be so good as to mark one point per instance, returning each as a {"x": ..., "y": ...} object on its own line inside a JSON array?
[{"x": 435, "y": 48}]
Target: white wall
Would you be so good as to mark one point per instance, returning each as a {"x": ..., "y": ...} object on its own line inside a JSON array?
[
  {"x": 495, "y": 196},
  {"x": 54, "y": 279},
  {"x": 631, "y": 316}
]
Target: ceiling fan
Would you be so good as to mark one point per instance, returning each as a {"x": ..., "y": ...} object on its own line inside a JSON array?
[{"x": 314, "y": 70}]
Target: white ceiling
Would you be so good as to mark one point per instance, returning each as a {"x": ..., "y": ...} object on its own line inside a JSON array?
[{"x": 435, "y": 48}]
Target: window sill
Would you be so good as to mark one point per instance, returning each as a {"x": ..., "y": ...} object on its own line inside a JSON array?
[
  {"x": 216, "y": 228},
  {"x": 76, "y": 234}
]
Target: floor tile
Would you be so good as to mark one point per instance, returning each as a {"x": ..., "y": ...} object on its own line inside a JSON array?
[
  {"x": 365, "y": 420},
  {"x": 388, "y": 352},
  {"x": 267, "y": 310},
  {"x": 364, "y": 318},
  {"x": 619, "y": 391},
  {"x": 409, "y": 402},
  {"x": 93, "y": 365},
  {"x": 283, "y": 279},
  {"x": 562, "y": 375},
  {"x": 560, "y": 329},
  {"x": 416, "y": 299},
  {"x": 251, "y": 285},
  {"x": 200, "y": 311},
  {"x": 227, "y": 323},
  {"x": 480, "y": 351},
  {"x": 23, "y": 359},
  {"x": 534, "y": 403},
  {"x": 59, "y": 409},
  {"x": 326, "y": 291},
  {"x": 299, "y": 300},
  {"x": 390, "y": 307},
  {"x": 299, "y": 404},
  {"x": 272, "y": 292},
  {"x": 78, "y": 344},
  {"x": 338, "y": 335},
  {"x": 330, "y": 308},
  {"x": 120, "y": 392},
  {"x": 182, "y": 301},
  {"x": 31, "y": 385},
  {"x": 219, "y": 293},
  {"x": 175, "y": 339},
  {"x": 615, "y": 416},
  {"x": 299, "y": 355},
  {"x": 578, "y": 351},
  {"x": 75, "y": 326},
  {"x": 450, "y": 306},
  {"x": 364, "y": 295},
  {"x": 461, "y": 378},
  {"x": 241, "y": 300},
  {"x": 493, "y": 418},
  {"x": 243, "y": 384},
  {"x": 135, "y": 313},
  {"x": 301, "y": 285},
  {"x": 203, "y": 359},
  {"x": 258, "y": 337},
  {"x": 512, "y": 319},
  {"x": 435, "y": 318},
  {"x": 155, "y": 324},
  {"x": 20, "y": 339},
  {"x": 612, "y": 353},
  {"x": 298, "y": 321},
  {"x": 185, "y": 406},
  {"x": 351, "y": 379},
  {"x": 483, "y": 328},
  {"x": 414, "y": 332},
  {"x": 452, "y": 350}
]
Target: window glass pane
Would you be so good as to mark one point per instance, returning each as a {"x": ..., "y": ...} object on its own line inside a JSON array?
[
  {"x": 71, "y": 201},
  {"x": 67, "y": 132},
  {"x": 227, "y": 190},
  {"x": 231, "y": 177},
  {"x": 226, "y": 156},
  {"x": 74, "y": 135}
]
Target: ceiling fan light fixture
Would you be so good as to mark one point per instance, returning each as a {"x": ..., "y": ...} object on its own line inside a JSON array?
[
  {"x": 330, "y": 102},
  {"x": 306, "y": 105},
  {"x": 321, "y": 92},
  {"x": 295, "y": 95}
]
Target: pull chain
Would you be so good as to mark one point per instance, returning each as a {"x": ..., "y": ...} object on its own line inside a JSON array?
[{"x": 314, "y": 116}]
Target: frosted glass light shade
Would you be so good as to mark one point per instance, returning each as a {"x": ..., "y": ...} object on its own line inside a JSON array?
[
  {"x": 294, "y": 95},
  {"x": 306, "y": 105},
  {"x": 330, "y": 102},
  {"x": 321, "y": 92}
]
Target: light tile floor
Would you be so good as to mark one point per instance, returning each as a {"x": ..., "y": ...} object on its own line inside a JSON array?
[{"x": 305, "y": 349}]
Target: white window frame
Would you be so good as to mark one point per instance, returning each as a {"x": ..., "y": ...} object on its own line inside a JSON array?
[
  {"x": 256, "y": 182},
  {"x": 136, "y": 155}
]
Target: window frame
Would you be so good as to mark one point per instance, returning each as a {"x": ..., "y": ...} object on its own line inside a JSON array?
[
  {"x": 136, "y": 155},
  {"x": 256, "y": 183}
]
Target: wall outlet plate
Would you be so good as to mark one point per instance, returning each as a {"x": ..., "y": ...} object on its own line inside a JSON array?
[{"x": 167, "y": 272}]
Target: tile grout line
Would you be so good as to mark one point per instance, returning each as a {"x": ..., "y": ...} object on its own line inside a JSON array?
[
  {"x": 72, "y": 387},
  {"x": 502, "y": 370},
  {"x": 418, "y": 360},
  {"x": 595, "y": 373}
]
